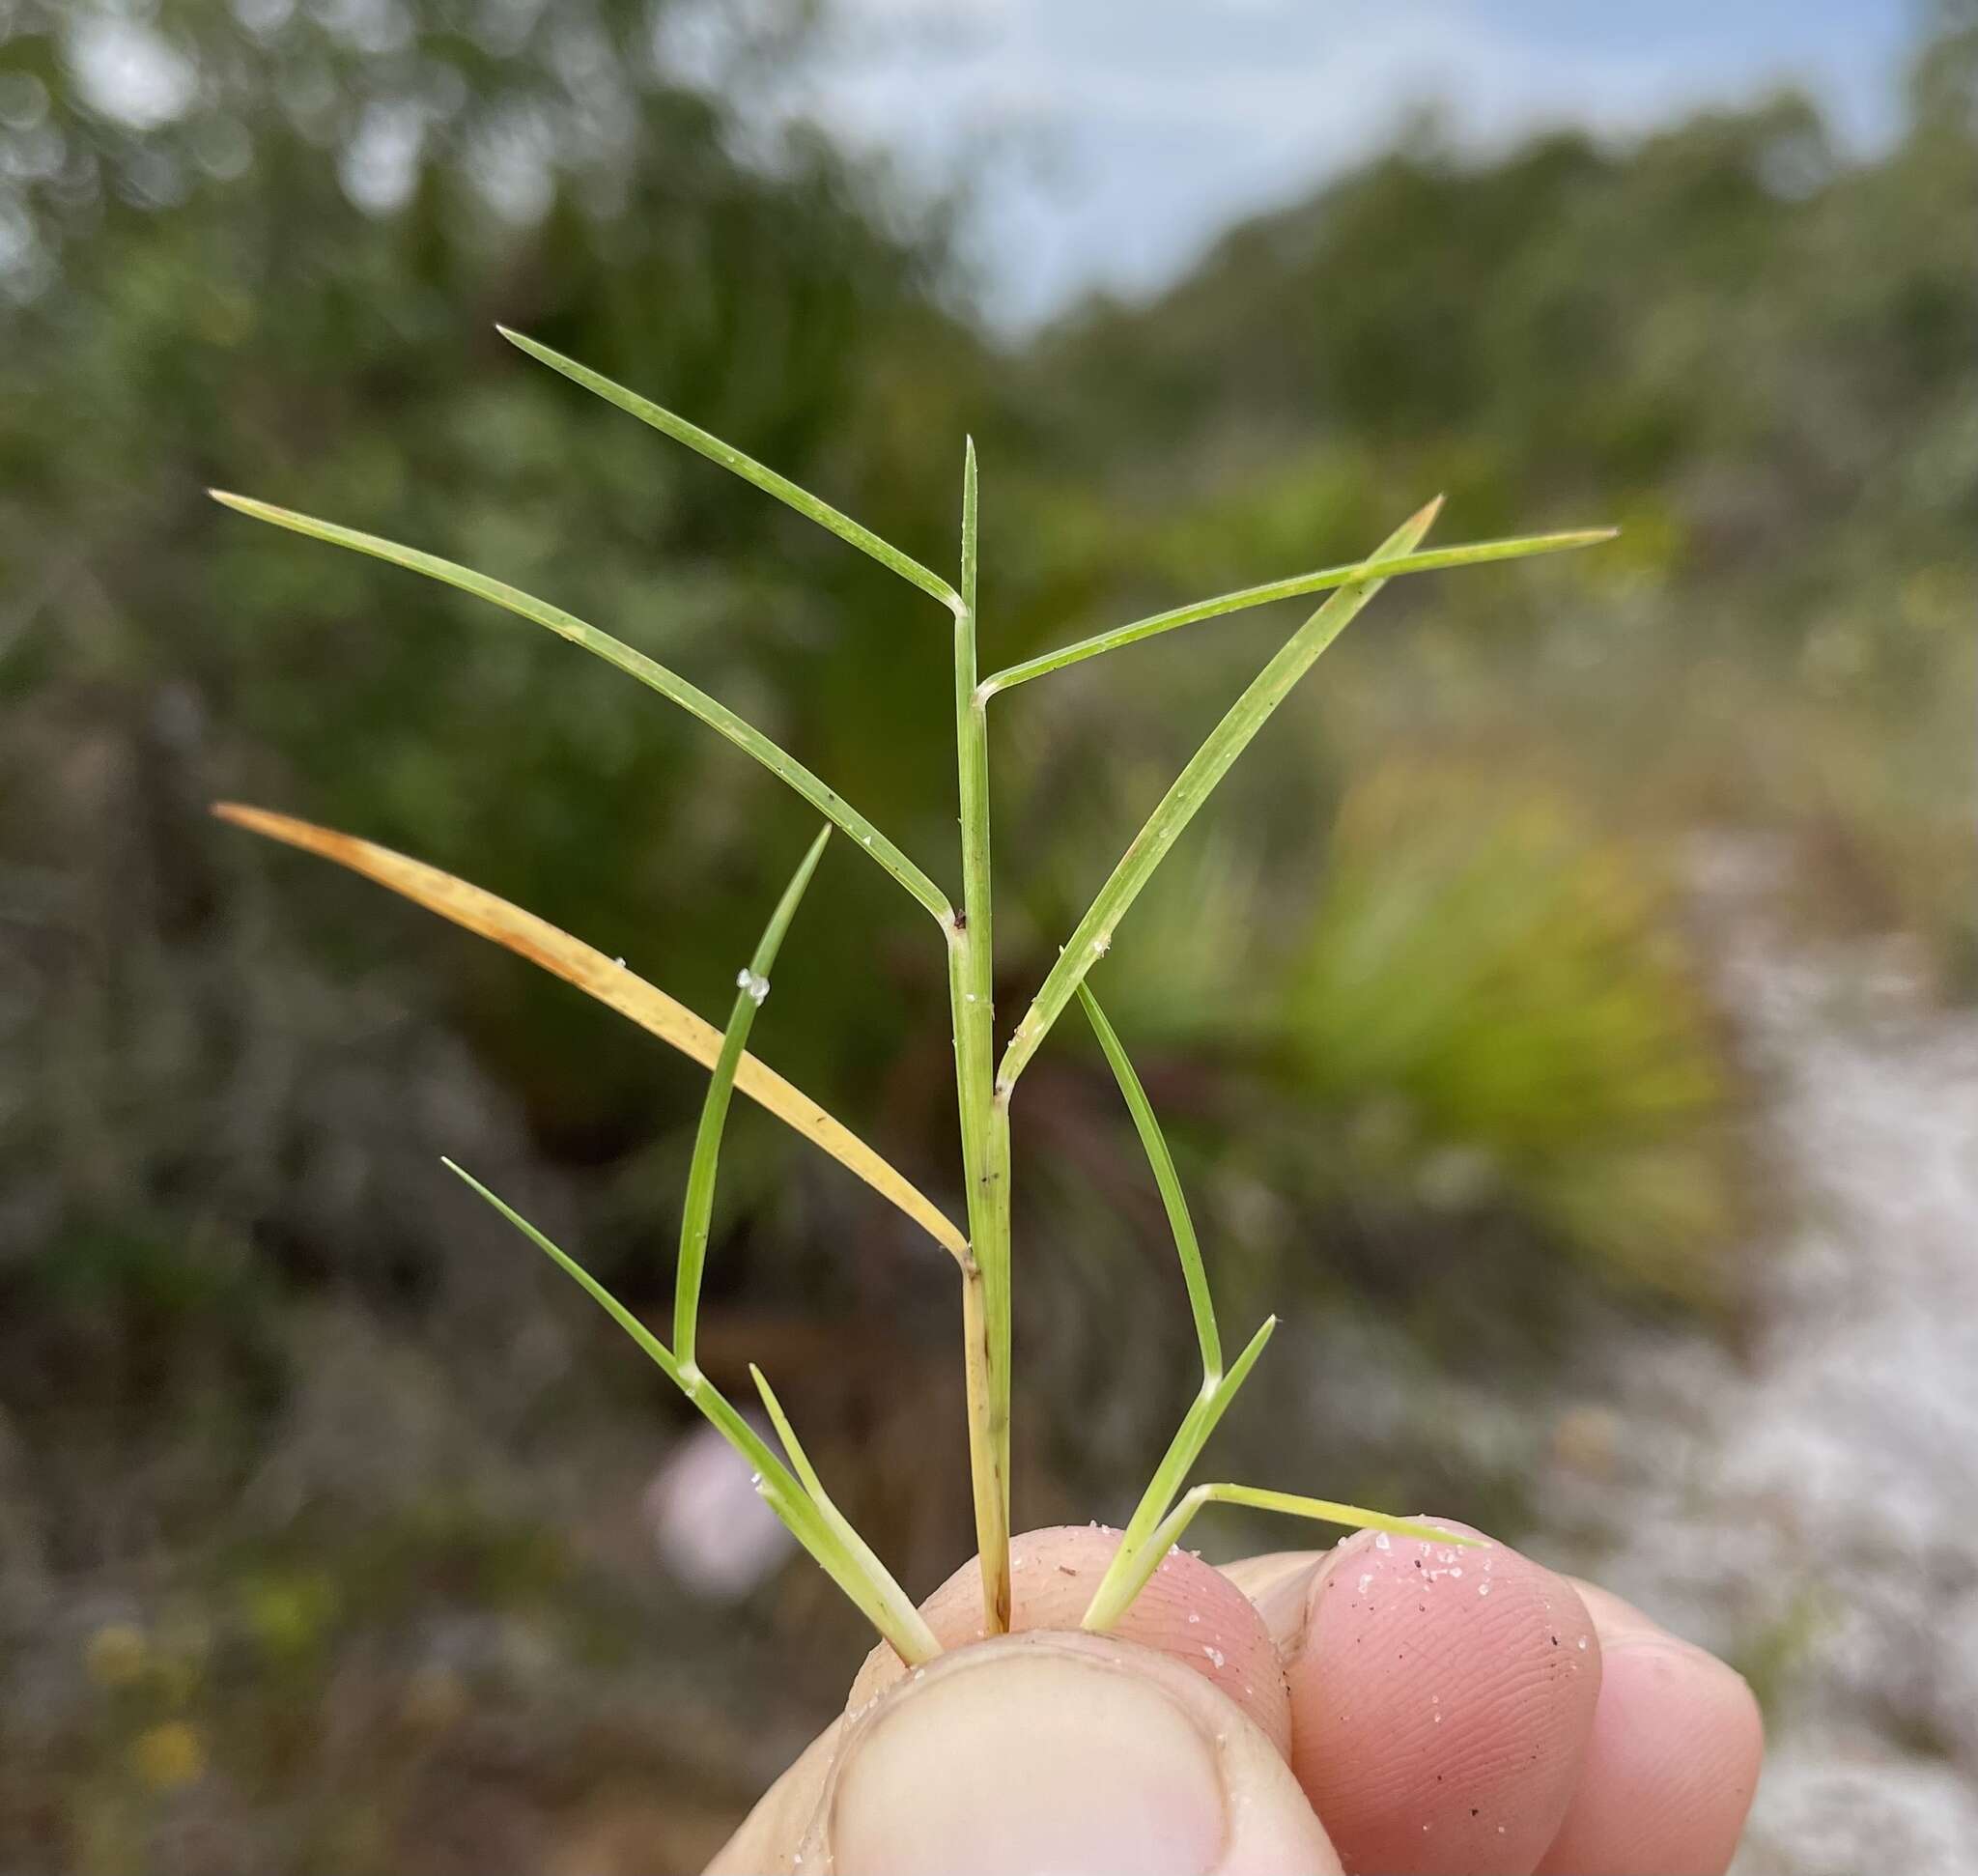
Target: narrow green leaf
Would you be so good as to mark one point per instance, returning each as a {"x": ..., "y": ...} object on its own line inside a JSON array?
[
  {"x": 787, "y": 1434},
  {"x": 971, "y": 527},
  {"x": 1138, "y": 1556},
  {"x": 572, "y": 1268},
  {"x": 636, "y": 663},
  {"x": 1327, "y": 1511},
  {"x": 1186, "y": 1246},
  {"x": 894, "y": 1614},
  {"x": 689, "y": 1381},
  {"x": 751, "y": 986},
  {"x": 746, "y": 466},
  {"x": 1323, "y": 1511},
  {"x": 1471, "y": 553},
  {"x": 817, "y": 1526},
  {"x": 1208, "y": 765},
  {"x": 1124, "y": 1576}
]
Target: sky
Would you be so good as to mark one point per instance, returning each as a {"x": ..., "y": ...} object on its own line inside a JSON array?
[{"x": 1111, "y": 140}]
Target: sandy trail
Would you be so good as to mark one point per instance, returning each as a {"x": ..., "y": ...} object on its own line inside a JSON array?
[{"x": 1809, "y": 1504}]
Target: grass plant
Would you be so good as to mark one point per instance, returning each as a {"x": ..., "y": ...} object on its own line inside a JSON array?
[{"x": 984, "y": 1083}]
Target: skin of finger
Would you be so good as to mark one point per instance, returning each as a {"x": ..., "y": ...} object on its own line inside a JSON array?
[
  {"x": 1441, "y": 1705},
  {"x": 1053, "y": 1575},
  {"x": 766, "y": 1843},
  {"x": 1188, "y": 1610},
  {"x": 1277, "y": 1584},
  {"x": 1051, "y": 1750},
  {"x": 1673, "y": 1761}
]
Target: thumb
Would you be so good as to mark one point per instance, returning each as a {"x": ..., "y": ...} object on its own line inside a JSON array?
[{"x": 1051, "y": 1751}]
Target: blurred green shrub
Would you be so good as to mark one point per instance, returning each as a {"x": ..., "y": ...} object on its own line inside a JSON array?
[{"x": 1496, "y": 1006}]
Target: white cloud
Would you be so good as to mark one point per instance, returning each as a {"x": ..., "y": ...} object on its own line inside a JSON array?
[{"x": 1112, "y": 141}]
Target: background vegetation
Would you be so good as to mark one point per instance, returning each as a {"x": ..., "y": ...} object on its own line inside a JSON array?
[{"x": 324, "y": 1524}]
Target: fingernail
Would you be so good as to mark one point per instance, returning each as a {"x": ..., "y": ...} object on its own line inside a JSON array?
[
  {"x": 1295, "y": 1599},
  {"x": 1033, "y": 1759}
]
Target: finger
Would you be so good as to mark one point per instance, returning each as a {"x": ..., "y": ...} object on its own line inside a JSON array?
[
  {"x": 1188, "y": 1610},
  {"x": 1188, "y": 1613},
  {"x": 1673, "y": 1761},
  {"x": 1048, "y": 1751},
  {"x": 1277, "y": 1583},
  {"x": 1442, "y": 1699},
  {"x": 770, "y": 1835}
]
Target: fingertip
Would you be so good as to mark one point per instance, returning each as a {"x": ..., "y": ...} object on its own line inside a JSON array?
[
  {"x": 1188, "y": 1611},
  {"x": 1672, "y": 1762},
  {"x": 1278, "y": 1586},
  {"x": 1441, "y": 1704},
  {"x": 1051, "y": 1751}
]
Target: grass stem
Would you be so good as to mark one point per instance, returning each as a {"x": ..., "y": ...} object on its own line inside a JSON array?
[{"x": 984, "y": 1128}]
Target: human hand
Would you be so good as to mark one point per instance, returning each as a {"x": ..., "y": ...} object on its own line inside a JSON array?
[{"x": 1385, "y": 1706}]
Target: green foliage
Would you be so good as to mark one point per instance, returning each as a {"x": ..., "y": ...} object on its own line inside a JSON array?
[{"x": 1489, "y": 1002}]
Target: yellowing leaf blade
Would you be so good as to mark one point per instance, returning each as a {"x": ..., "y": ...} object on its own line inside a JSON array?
[{"x": 611, "y": 985}]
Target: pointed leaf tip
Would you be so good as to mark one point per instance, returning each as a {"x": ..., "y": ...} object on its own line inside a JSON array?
[
  {"x": 738, "y": 463},
  {"x": 1204, "y": 769}
]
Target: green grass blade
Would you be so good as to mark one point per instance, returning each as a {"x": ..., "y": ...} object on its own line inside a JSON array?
[
  {"x": 751, "y": 986},
  {"x": 746, "y": 466},
  {"x": 636, "y": 663},
  {"x": 690, "y": 1383},
  {"x": 1122, "y": 1580},
  {"x": 1208, "y": 765},
  {"x": 1327, "y": 1511},
  {"x": 572, "y": 1268},
  {"x": 1186, "y": 1246},
  {"x": 1471, "y": 553},
  {"x": 972, "y": 546},
  {"x": 1323, "y": 1511},
  {"x": 816, "y": 1524},
  {"x": 799, "y": 1458},
  {"x": 860, "y": 1574}
]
